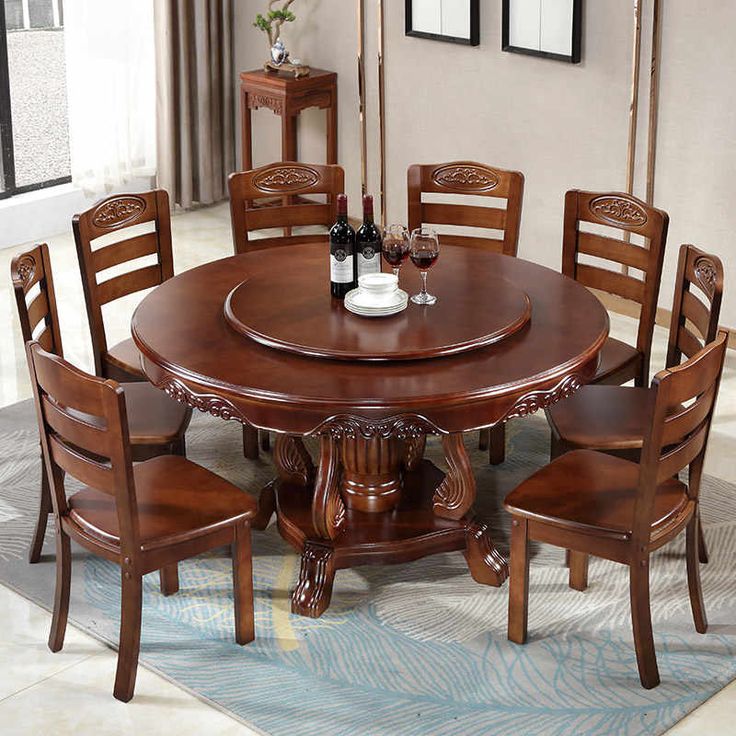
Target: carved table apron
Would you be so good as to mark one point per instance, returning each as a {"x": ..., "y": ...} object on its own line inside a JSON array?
[{"x": 370, "y": 498}]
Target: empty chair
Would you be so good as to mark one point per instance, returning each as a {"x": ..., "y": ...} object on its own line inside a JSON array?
[
  {"x": 281, "y": 195},
  {"x": 156, "y": 424},
  {"x": 142, "y": 517},
  {"x": 594, "y": 503},
  {"x": 112, "y": 215},
  {"x": 470, "y": 178},
  {"x": 584, "y": 255},
  {"x": 615, "y": 418}
]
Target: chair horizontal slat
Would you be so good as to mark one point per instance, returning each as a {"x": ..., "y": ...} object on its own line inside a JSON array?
[
  {"x": 693, "y": 378},
  {"x": 671, "y": 463},
  {"x": 490, "y": 244},
  {"x": 687, "y": 342},
  {"x": 38, "y": 309},
  {"x": 464, "y": 215},
  {"x": 124, "y": 251},
  {"x": 70, "y": 387},
  {"x": 46, "y": 340},
  {"x": 611, "y": 282},
  {"x": 128, "y": 283},
  {"x": 613, "y": 249},
  {"x": 679, "y": 425},
  {"x": 263, "y": 243},
  {"x": 696, "y": 312},
  {"x": 289, "y": 216},
  {"x": 81, "y": 468},
  {"x": 80, "y": 430}
]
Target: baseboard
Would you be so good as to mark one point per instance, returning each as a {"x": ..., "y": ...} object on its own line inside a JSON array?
[{"x": 627, "y": 308}]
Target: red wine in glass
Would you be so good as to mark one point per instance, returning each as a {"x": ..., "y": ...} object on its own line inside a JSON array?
[
  {"x": 424, "y": 259},
  {"x": 395, "y": 246}
]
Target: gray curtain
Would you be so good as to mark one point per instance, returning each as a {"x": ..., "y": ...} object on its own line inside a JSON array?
[{"x": 194, "y": 99}]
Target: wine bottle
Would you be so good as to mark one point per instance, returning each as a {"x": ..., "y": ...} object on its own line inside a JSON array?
[
  {"x": 368, "y": 241},
  {"x": 342, "y": 252}
]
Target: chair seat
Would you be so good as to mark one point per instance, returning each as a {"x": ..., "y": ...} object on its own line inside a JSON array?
[
  {"x": 177, "y": 500},
  {"x": 126, "y": 356},
  {"x": 618, "y": 363},
  {"x": 602, "y": 417},
  {"x": 590, "y": 491},
  {"x": 153, "y": 418}
]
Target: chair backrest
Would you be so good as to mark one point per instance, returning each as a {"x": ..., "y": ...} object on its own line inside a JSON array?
[
  {"x": 695, "y": 313},
  {"x": 620, "y": 212},
  {"x": 111, "y": 215},
  {"x": 36, "y": 306},
  {"x": 84, "y": 434},
  {"x": 682, "y": 403},
  {"x": 473, "y": 179},
  {"x": 285, "y": 186}
]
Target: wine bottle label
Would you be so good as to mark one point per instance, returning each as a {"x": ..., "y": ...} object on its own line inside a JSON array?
[
  {"x": 368, "y": 262},
  {"x": 341, "y": 267}
]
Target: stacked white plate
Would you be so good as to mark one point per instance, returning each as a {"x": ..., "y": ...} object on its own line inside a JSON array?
[{"x": 377, "y": 295}]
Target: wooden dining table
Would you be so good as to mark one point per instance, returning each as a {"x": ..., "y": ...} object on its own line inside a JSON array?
[{"x": 257, "y": 338}]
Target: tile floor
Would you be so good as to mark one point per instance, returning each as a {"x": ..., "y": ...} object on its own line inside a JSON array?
[{"x": 70, "y": 692}]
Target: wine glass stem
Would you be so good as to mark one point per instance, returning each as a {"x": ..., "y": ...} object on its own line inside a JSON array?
[
  {"x": 396, "y": 271},
  {"x": 423, "y": 274}
]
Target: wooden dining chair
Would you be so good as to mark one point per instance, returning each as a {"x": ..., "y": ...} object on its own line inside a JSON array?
[
  {"x": 470, "y": 178},
  {"x": 117, "y": 214},
  {"x": 599, "y": 260},
  {"x": 281, "y": 195},
  {"x": 614, "y": 419},
  {"x": 594, "y": 503},
  {"x": 142, "y": 517},
  {"x": 156, "y": 424},
  {"x": 278, "y": 196}
]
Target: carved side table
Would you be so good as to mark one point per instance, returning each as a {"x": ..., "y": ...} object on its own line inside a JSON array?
[{"x": 287, "y": 97}]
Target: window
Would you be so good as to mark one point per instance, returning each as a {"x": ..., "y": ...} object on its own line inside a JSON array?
[{"x": 34, "y": 129}]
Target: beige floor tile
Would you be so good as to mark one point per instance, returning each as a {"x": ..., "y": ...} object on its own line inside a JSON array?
[
  {"x": 24, "y": 654},
  {"x": 78, "y": 701},
  {"x": 717, "y": 717}
]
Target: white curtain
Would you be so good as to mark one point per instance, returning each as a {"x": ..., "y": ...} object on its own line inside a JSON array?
[{"x": 111, "y": 89}]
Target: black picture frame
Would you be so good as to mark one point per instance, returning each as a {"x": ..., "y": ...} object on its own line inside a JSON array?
[
  {"x": 474, "y": 39},
  {"x": 577, "y": 36}
]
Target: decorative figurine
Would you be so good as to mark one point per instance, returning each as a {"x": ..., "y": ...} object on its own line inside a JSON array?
[{"x": 271, "y": 25}]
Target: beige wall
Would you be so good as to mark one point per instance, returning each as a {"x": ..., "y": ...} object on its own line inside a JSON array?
[{"x": 562, "y": 125}]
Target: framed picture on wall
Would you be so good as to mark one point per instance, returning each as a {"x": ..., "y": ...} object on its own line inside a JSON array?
[
  {"x": 456, "y": 21},
  {"x": 548, "y": 28}
]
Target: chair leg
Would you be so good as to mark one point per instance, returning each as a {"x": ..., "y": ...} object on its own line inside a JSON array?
[
  {"x": 243, "y": 584},
  {"x": 44, "y": 509},
  {"x": 61, "y": 596},
  {"x": 702, "y": 547},
  {"x": 130, "y": 635},
  {"x": 169, "y": 579},
  {"x": 250, "y": 442},
  {"x": 641, "y": 619},
  {"x": 497, "y": 444},
  {"x": 484, "y": 439},
  {"x": 692, "y": 538},
  {"x": 578, "y": 564},
  {"x": 179, "y": 447},
  {"x": 519, "y": 581},
  {"x": 265, "y": 440}
]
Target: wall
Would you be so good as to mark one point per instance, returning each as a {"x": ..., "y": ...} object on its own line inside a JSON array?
[{"x": 562, "y": 125}]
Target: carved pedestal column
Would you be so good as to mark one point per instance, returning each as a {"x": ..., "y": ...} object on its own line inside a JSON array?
[{"x": 371, "y": 473}]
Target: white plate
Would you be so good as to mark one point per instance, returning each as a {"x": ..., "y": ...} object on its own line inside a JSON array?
[
  {"x": 368, "y": 302},
  {"x": 398, "y": 306}
]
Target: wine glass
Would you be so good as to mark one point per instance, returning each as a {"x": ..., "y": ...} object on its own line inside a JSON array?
[
  {"x": 424, "y": 251},
  {"x": 395, "y": 246}
]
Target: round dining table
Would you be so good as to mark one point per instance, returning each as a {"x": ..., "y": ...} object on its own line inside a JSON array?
[{"x": 257, "y": 338}]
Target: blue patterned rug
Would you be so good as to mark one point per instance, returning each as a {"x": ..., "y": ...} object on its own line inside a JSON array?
[{"x": 412, "y": 649}]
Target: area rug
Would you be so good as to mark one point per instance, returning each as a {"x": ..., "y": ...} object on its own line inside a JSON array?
[{"x": 404, "y": 650}]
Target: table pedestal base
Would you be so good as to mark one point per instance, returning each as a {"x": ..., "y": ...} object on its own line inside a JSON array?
[{"x": 408, "y": 532}]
